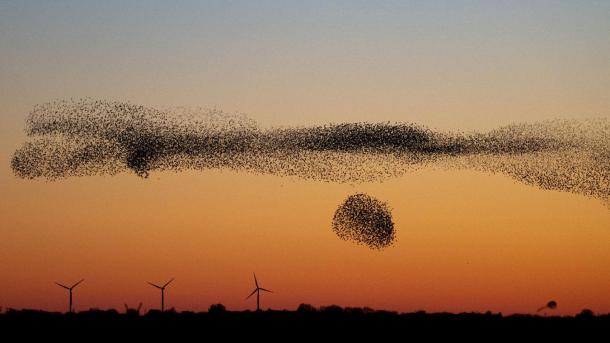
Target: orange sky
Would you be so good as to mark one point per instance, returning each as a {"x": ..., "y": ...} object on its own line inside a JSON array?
[{"x": 466, "y": 241}]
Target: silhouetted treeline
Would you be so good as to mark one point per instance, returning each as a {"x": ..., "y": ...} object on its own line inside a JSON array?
[{"x": 306, "y": 322}]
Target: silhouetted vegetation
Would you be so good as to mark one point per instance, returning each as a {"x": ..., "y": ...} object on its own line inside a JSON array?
[
  {"x": 306, "y": 321},
  {"x": 217, "y": 308},
  {"x": 585, "y": 314}
]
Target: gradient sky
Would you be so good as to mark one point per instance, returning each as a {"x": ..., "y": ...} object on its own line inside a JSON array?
[{"x": 466, "y": 241}]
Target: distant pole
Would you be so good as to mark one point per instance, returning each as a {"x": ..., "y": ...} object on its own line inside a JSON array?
[
  {"x": 70, "y": 309},
  {"x": 258, "y": 295},
  {"x": 162, "y": 299}
]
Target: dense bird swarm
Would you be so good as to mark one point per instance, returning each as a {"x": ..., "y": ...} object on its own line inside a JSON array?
[
  {"x": 87, "y": 137},
  {"x": 364, "y": 220},
  {"x": 97, "y": 137}
]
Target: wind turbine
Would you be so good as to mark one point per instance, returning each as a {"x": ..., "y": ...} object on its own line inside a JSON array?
[
  {"x": 257, "y": 290},
  {"x": 70, "y": 290},
  {"x": 162, "y": 288}
]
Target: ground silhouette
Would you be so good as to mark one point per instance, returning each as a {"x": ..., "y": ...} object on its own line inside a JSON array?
[{"x": 306, "y": 322}]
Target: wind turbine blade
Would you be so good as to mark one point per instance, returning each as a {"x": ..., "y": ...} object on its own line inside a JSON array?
[
  {"x": 152, "y": 284},
  {"x": 76, "y": 284},
  {"x": 251, "y": 294},
  {"x": 266, "y": 290},
  {"x": 59, "y": 284},
  {"x": 255, "y": 280},
  {"x": 168, "y": 282}
]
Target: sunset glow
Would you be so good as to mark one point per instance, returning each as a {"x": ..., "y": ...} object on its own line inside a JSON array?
[{"x": 465, "y": 240}]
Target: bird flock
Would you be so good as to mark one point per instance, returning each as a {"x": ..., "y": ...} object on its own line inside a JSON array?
[
  {"x": 100, "y": 137},
  {"x": 364, "y": 220}
]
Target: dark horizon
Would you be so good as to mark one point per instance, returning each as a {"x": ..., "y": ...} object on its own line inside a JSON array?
[
  {"x": 304, "y": 308},
  {"x": 305, "y": 321}
]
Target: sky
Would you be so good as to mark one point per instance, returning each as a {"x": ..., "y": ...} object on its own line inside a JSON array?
[{"x": 466, "y": 241}]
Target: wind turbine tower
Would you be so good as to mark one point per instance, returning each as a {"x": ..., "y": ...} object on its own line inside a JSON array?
[
  {"x": 162, "y": 288},
  {"x": 70, "y": 290},
  {"x": 257, "y": 290}
]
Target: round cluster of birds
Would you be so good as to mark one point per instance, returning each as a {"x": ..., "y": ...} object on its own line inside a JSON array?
[{"x": 364, "y": 220}]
